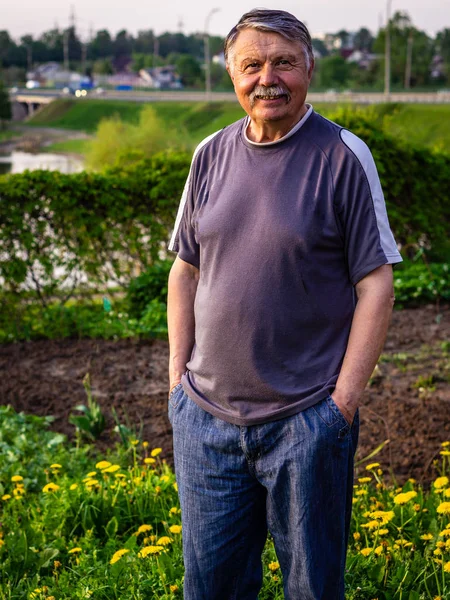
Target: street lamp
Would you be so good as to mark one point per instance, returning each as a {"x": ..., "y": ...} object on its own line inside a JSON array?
[
  {"x": 207, "y": 58},
  {"x": 387, "y": 52}
]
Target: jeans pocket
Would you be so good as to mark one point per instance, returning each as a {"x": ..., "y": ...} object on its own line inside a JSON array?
[
  {"x": 330, "y": 414},
  {"x": 175, "y": 396}
]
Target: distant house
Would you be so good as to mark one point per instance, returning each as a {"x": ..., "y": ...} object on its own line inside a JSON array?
[
  {"x": 52, "y": 73},
  {"x": 437, "y": 67},
  {"x": 219, "y": 59},
  {"x": 161, "y": 78},
  {"x": 362, "y": 58}
]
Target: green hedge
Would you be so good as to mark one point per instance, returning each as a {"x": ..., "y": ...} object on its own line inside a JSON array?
[{"x": 56, "y": 230}]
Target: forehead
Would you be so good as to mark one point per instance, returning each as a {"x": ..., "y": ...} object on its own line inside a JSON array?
[{"x": 255, "y": 43}]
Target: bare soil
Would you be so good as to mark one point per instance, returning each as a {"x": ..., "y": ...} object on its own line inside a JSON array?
[{"x": 407, "y": 401}]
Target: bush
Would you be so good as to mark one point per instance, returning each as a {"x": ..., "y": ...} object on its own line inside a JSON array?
[
  {"x": 420, "y": 283},
  {"x": 60, "y": 232},
  {"x": 150, "y": 285}
]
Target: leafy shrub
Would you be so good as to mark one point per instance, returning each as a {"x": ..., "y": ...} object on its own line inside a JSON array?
[
  {"x": 60, "y": 232},
  {"x": 420, "y": 283},
  {"x": 150, "y": 285}
]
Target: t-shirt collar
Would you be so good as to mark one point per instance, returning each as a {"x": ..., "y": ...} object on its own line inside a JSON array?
[{"x": 285, "y": 137}]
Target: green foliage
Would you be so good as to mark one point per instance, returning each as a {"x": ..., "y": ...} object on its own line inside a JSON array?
[
  {"x": 92, "y": 421},
  {"x": 56, "y": 227},
  {"x": 116, "y": 141},
  {"x": 333, "y": 72},
  {"x": 5, "y": 106},
  {"x": 420, "y": 283},
  {"x": 113, "y": 525},
  {"x": 148, "y": 286}
]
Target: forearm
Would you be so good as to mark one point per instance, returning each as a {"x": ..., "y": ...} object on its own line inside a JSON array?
[
  {"x": 367, "y": 336},
  {"x": 182, "y": 287}
]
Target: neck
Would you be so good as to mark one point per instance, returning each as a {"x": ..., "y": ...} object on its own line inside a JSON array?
[{"x": 271, "y": 131}]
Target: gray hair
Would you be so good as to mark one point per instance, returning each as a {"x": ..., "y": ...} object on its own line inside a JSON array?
[{"x": 272, "y": 21}]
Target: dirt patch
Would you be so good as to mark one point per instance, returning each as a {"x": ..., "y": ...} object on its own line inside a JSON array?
[{"x": 408, "y": 401}]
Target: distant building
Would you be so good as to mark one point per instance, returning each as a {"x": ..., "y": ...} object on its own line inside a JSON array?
[
  {"x": 52, "y": 74},
  {"x": 161, "y": 78},
  {"x": 362, "y": 58}
]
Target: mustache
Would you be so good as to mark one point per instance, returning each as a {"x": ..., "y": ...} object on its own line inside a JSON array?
[{"x": 267, "y": 92}]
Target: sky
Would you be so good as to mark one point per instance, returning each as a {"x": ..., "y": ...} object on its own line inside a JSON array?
[{"x": 31, "y": 16}]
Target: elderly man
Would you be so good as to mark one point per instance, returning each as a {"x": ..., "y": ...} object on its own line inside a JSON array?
[{"x": 279, "y": 302}]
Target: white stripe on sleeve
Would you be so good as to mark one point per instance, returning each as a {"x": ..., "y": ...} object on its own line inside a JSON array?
[{"x": 363, "y": 154}]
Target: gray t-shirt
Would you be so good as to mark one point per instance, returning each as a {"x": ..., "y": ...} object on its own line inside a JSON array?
[{"x": 281, "y": 233}]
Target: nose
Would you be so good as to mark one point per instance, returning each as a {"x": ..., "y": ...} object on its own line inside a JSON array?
[{"x": 267, "y": 75}]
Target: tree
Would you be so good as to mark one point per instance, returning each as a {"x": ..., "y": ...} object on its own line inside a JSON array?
[
  {"x": 5, "y": 106},
  {"x": 189, "y": 70},
  {"x": 401, "y": 28},
  {"x": 363, "y": 40},
  {"x": 333, "y": 72}
]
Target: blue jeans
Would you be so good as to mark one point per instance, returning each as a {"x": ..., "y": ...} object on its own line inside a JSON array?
[{"x": 293, "y": 477}]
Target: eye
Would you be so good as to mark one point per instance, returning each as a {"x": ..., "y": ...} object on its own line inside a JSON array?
[
  {"x": 284, "y": 62},
  {"x": 251, "y": 66}
]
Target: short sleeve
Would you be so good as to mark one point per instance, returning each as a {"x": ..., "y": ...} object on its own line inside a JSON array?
[
  {"x": 361, "y": 210},
  {"x": 184, "y": 240}
]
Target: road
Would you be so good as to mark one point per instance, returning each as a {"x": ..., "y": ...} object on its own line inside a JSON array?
[{"x": 45, "y": 96}]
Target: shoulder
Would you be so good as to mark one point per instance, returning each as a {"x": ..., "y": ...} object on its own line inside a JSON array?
[{"x": 211, "y": 145}]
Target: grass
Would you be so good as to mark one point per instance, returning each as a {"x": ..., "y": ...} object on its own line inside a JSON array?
[
  {"x": 422, "y": 125},
  {"x": 70, "y": 146}
]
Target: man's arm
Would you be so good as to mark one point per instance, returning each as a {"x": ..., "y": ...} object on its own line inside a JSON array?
[
  {"x": 183, "y": 280},
  {"x": 370, "y": 323}
]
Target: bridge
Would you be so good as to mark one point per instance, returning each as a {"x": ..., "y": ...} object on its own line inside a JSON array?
[{"x": 26, "y": 102}]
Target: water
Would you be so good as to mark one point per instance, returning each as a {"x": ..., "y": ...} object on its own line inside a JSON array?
[{"x": 17, "y": 162}]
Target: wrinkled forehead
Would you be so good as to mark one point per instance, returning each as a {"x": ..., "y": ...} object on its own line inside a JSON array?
[{"x": 254, "y": 43}]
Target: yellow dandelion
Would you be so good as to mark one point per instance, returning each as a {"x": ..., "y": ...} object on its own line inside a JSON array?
[
  {"x": 134, "y": 442},
  {"x": 440, "y": 545},
  {"x": 150, "y": 550},
  {"x": 384, "y": 516},
  {"x": 447, "y": 567},
  {"x": 76, "y": 550},
  {"x": 445, "y": 444},
  {"x": 164, "y": 541},
  {"x": 378, "y": 550},
  {"x": 366, "y": 551},
  {"x": 149, "y": 461},
  {"x": 445, "y": 532},
  {"x": 416, "y": 507},
  {"x": 155, "y": 452},
  {"x": 371, "y": 525},
  {"x": 175, "y": 529},
  {"x": 120, "y": 475},
  {"x": 91, "y": 474},
  {"x": 143, "y": 529},
  {"x": 356, "y": 536},
  {"x": 73, "y": 487},
  {"x": 174, "y": 510},
  {"x": 91, "y": 482},
  {"x": 165, "y": 478},
  {"x": 447, "y": 493},
  {"x": 444, "y": 508},
  {"x": 55, "y": 466},
  {"x": 426, "y": 537},
  {"x": 18, "y": 492},
  {"x": 111, "y": 469},
  {"x": 6, "y": 497},
  {"x": 437, "y": 552},
  {"x": 364, "y": 479},
  {"x": 175, "y": 486},
  {"x": 372, "y": 466},
  {"x": 383, "y": 531},
  {"x": 440, "y": 482},
  {"x": 173, "y": 588},
  {"x": 444, "y": 452},
  {"x": 16, "y": 478},
  {"x": 361, "y": 493},
  {"x": 404, "y": 497},
  {"x": 412, "y": 480},
  {"x": 274, "y": 566},
  {"x": 118, "y": 555},
  {"x": 50, "y": 487},
  {"x": 103, "y": 464},
  {"x": 145, "y": 444}
]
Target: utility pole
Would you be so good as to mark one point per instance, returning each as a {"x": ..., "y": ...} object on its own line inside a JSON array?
[
  {"x": 66, "y": 49},
  {"x": 409, "y": 48},
  {"x": 207, "y": 54},
  {"x": 387, "y": 53}
]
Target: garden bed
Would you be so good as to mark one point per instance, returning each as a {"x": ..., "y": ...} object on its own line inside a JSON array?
[{"x": 408, "y": 401}]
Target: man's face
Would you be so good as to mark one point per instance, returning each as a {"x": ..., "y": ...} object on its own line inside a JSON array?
[{"x": 270, "y": 77}]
